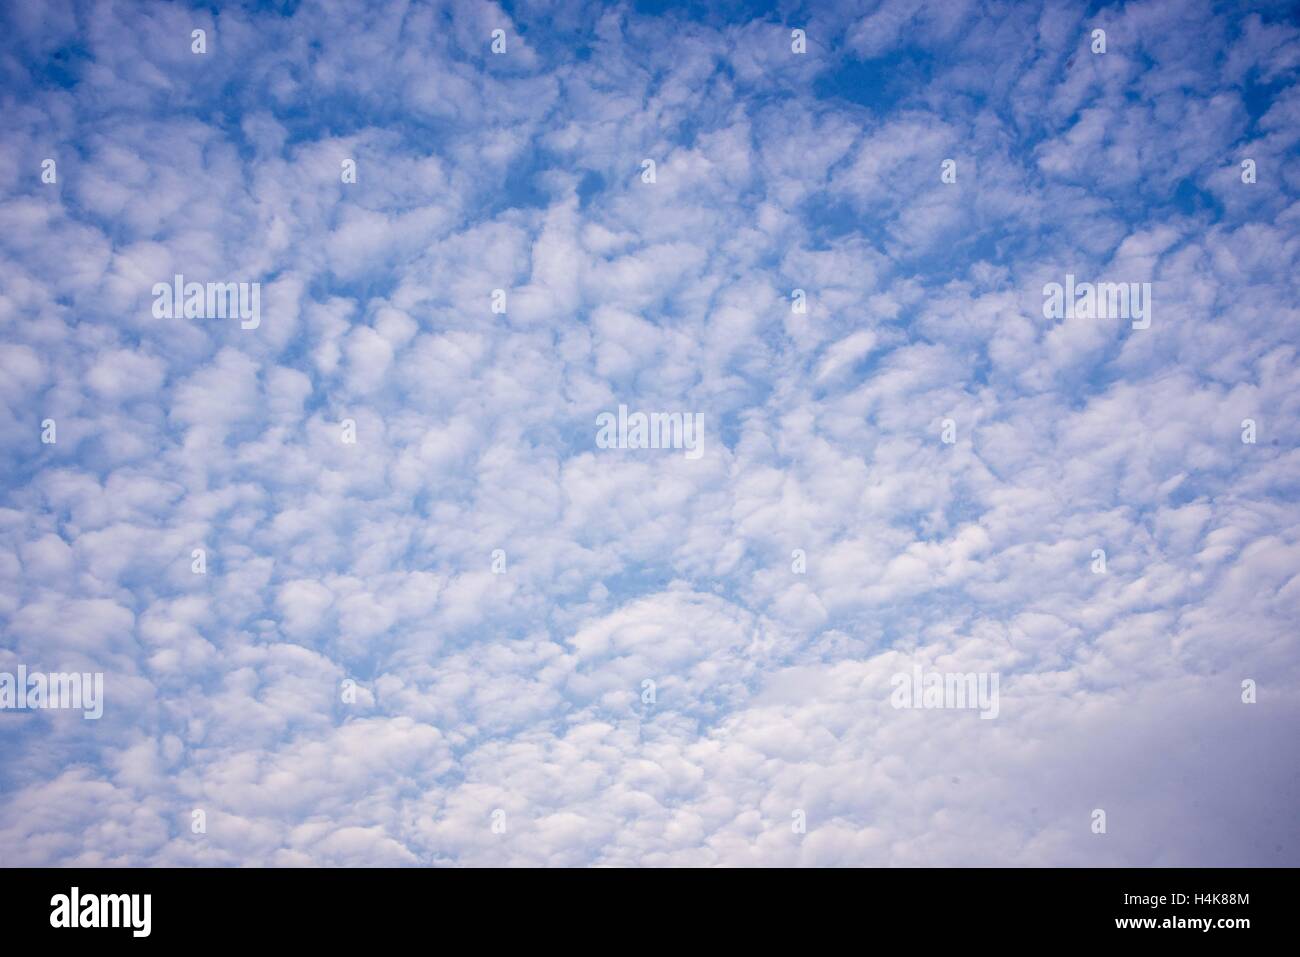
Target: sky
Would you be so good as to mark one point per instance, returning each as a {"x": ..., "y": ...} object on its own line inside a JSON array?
[{"x": 363, "y": 585}]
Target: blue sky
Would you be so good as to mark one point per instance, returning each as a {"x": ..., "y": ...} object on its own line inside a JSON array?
[{"x": 522, "y": 691}]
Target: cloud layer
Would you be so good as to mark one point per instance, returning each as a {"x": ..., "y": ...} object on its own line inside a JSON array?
[{"x": 356, "y": 680}]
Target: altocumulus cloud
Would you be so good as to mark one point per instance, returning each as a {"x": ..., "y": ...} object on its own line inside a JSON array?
[{"x": 364, "y": 588}]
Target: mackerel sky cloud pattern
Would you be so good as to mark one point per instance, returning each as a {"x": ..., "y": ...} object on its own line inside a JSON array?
[{"x": 476, "y": 636}]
